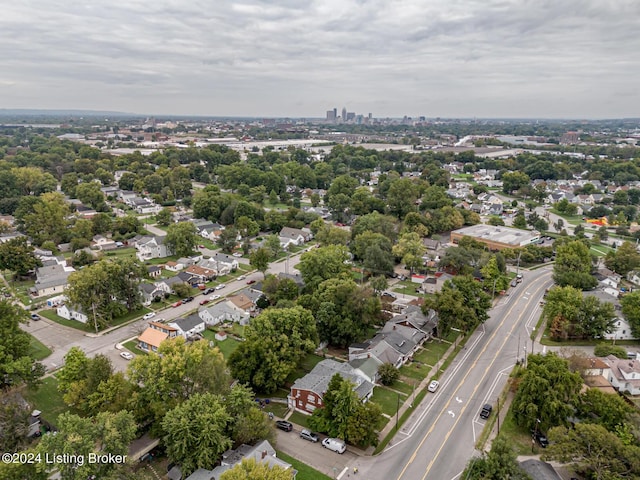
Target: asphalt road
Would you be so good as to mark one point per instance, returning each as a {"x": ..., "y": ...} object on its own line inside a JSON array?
[{"x": 439, "y": 438}]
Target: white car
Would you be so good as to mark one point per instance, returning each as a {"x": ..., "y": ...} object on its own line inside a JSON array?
[
  {"x": 214, "y": 297},
  {"x": 237, "y": 254},
  {"x": 220, "y": 287},
  {"x": 126, "y": 355},
  {"x": 433, "y": 386},
  {"x": 149, "y": 315}
]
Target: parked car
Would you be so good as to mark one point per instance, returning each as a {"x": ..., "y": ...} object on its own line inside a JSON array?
[
  {"x": 187, "y": 300},
  {"x": 220, "y": 287},
  {"x": 149, "y": 315},
  {"x": 214, "y": 297},
  {"x": 514, "y": 283},
  {"x": 201, "y": 286},
  {"x": 250, "y": 282},
  {"x": 334, "y": 444},
  {"x": 201, "y": 246},
  {"x": 541, "y": 439},
  {"x": 433, "y": 386},
  {"x": 208, "y": 291},
  {"x": 284, "y": 425},
  {"x": 205, "y": 301},
  {"x": 309, "y": 435},
  {"x": 35, "y": 316},
  {"x": 236, "y": 254},
  {"x": 126, "y": 355},
  {"x": 177, "y": 304},
  {"x": 486, "y": 411},
  {"x": 242, "y": 277}
]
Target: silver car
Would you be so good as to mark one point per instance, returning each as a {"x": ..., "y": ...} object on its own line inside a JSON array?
[{"x": 309, "y": 435}]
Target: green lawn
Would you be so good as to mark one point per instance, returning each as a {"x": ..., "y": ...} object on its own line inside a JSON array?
[
  {"x": 388, "y": 400},
  {"x": 47, "y": 399},
  {"x": 305, "y": 472},
  {"x": 88, "y": 327},
  {"x": 415, "y": 370},
  {"x": 227, "y": 347},
  {"x": 572, "y": 219},
  {"x": 277, "y": 408},
  {"x": 299, "y": 419},
  {"x": 121, "y": 252},
  {"x": 132, "y": 346},
  {"x": 39, "y": 350},
  {"x": 601, "y": 250},
  {"x": 432, "y": 352},
  {"x": 403, "y": 387}
]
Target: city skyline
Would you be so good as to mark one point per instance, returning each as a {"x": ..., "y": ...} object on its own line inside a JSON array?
[{"x": 437, "y": 58}]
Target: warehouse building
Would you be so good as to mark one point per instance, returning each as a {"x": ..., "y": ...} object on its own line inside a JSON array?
[{"x": 497, "y": 238}]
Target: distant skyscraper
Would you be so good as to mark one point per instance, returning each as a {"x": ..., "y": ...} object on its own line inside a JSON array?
[
  {"x": 331, "y": 116},
  {"x": 344, "y": 114}
]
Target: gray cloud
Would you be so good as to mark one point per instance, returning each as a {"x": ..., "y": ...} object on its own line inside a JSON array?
[{"x": 542, "y": 58}]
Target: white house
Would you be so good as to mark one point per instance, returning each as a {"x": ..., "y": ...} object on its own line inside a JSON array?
[
  {"x": 188, "y": 326},
  {"x": 622, "y": 331},
  {"x": 294, "y": 236},
  {"x": 222, "y": 312},
  {"x": 624, "y": 374},
  {"x": 69, "y": 313},
  {"x": 151, "y": 247}
]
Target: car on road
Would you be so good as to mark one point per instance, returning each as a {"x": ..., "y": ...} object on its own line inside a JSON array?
[
  {"x": 541, "y": 439},
  {"x": 519, "y": 277},
  {"x": 514, "y": 283},
  {"x": 204, "y": 301},
  {"x": 177, "y": 304},
  {"x": 126, "y": 355},
  {"x": 309, "y": 435},
  {"x": 187, "y": 300},
  {"x": 149, "y": 315},
  {"x": 208, "y": 291},
  {"x": 250, "y": 282},
  {"x": 214, "y": 297},
  {"x": 242, "y": 277},
  {"x": 284, "y": 425},
  {"x": 35, "y": 316},
  {"x": 433, "y": 386},
  {"x": 486, "y": 411},
  {"x": 220, "y": 287},
  {"x": 334, "y": 444}
]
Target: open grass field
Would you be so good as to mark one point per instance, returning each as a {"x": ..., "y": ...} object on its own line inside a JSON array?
[{"x": 47, "y": 399}]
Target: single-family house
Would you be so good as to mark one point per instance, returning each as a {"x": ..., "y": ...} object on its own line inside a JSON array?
[
  {"x": 71, "y": 313},
  {"x": 294, "y": 236},
  {"x": 154, "y": 271},
  {"x": 101, "y": 242},
  {"x": 243, "y": 302},
  {"x": 151, "y": 247},
  {"x": 167, "y": 284},
  {"x": 149, "y": 292},
  {"x": 154, "y": 335},
  {"x": 622, "y": 330},
  {"x": 51, "y": 279},
  {"x": 125, "y": 196},
  {"x": 413, "y": 325},
  {"x": 188, "y": 326},
  {"x": 367, "y": 368},
  {"x": 307, "y": 392},
  {"x": 263, "y": 452},
  {"x": 624, "y": 374},
  {"x": 223, "y": 312},
  {"x": 388, "y": 347},
  {"x": 221, "y": 263},
  {"x": 202, "y": 274},
  {"x": 144, "y": 206}
]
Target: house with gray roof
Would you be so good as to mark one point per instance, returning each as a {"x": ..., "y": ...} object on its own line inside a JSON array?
[
  {"x": 223, "y": 312},
  {"x": 188, "y": 326},
  {"x": 307, "y": 392},
  {"x": 166, "y": 285},
  {"x": 148, "y": 292},
  {"x": 51, "y": 279},
  {"x": 149, "y": 247},
  {"x": 388, "y": 347},
  {"x": 367, "y": 368}
]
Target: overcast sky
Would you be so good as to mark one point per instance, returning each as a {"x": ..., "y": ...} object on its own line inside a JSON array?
[{"x": 448, "y": 58}]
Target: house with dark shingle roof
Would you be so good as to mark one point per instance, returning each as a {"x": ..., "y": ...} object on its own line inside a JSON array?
[
  {"x": 188, "y": 326},
  {"x": 307, "y": 392}
]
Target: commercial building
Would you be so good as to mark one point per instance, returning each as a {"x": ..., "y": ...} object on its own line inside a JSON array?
[{"x": 497, "y": 238}]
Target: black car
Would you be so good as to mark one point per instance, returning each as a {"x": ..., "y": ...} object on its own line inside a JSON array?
[
  {"x": 541, "y": 439},
  {"x": 284, "y": 425},
  {"x": 486, "y": 411},
  {"x": 207, "y": 291},
  {"x": 188, "y": 299}
]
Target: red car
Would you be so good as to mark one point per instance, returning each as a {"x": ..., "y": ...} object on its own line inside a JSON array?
[
  {"x": 205, "y": 301},
  {"x": 177, "y": 304},
  {"x": 250, "y": 282}
]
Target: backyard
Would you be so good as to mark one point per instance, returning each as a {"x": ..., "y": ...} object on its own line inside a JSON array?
[{"x": 47, "y": 399}]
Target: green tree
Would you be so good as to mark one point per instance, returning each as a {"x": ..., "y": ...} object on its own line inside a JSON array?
[
  {"x": 460, "y": 304},
  {"x": 323, "y": 263},
  {"x": 16, "y": 364},
  {"x": 195, "y": 432},
  {"x": 547, "y": 392},
  {"x": 181, "y": 238},
  {"x": 608, "y": 410},
  {"x": 96, "y": 371},
  {"x": 625, "y": 259},
  {"x": 250, "y": 469},
  {"x": 14, "y": 421},
  {"x": 163, "y": 217},
  {"x": 500, "y": 463},
  {"x": 388, "y": 373},
  {"x": 402, "y": 196},
  {"x": 573, "y": 266},
  {"x": 592, "y": 448},
  {"x": 228, "y": 239},
  {"x": 259, "y": 259},
  {"x": 77, "y": 437},
  {"x": 17, "y": 255},
  {"x": 513, "y": 181},
  {"x": 179, "y": 371},
  {"x": 631, "y": 310},
  {"x": 89, "y": 193},
  {"x": 519, "y": 221},
  {"x": 272, "y": 242},
  {"x": 410, "y": 250},
  {"x": 276, "y": 341},
  {"x": 48, "y": 219}
]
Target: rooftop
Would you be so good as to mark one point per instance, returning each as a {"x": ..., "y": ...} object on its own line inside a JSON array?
[{"x": 505, "y": 235}]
